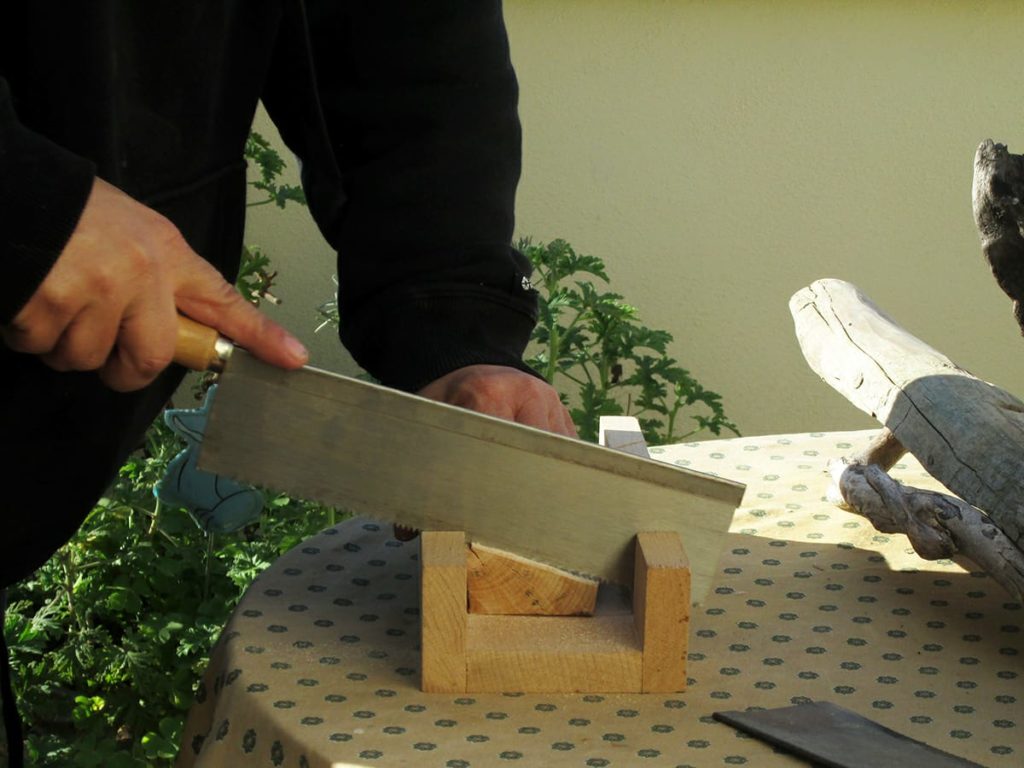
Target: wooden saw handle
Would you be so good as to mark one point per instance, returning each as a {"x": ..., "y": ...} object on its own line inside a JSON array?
[{"x": 200, "y": 347}]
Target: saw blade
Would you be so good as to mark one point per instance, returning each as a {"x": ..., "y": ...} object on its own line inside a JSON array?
[{"x": 426, "y": 465}]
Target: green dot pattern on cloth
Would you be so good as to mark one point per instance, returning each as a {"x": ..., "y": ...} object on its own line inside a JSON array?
[{"x": 319, "y": 665}]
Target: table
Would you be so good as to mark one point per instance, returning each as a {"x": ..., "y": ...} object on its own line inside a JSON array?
[{"x": 318, "y": 666}]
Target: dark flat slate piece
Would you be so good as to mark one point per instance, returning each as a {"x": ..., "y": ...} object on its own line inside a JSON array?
[{"x": 830, "y": 736}]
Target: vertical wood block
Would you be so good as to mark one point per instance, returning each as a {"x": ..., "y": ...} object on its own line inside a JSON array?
[
  {"x": 661, "y": 610},
  {"x": 443, "y": 611}
]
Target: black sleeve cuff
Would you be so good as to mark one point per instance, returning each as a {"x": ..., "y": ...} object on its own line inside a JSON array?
[{"x": 410, "y": 341}]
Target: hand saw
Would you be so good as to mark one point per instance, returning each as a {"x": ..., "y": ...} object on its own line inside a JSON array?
[{"x": 401, "y": 458}]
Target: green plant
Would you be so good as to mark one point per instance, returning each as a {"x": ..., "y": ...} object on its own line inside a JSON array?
[
  {"x": 109, "y": 638},
  {"x": 594, "y": 340},
  {"x": 614, "y": 364},
  {"x": 255, "y": 277},
  {"x": 270, "y": 166}
]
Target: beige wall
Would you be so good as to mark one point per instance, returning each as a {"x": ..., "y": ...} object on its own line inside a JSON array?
[{"x": 721, "y": 155}]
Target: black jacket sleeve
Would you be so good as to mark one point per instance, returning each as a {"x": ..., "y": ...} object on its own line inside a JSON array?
[
  {"x": 43, "y": 189},
  {"x": 416, "y": 190}
]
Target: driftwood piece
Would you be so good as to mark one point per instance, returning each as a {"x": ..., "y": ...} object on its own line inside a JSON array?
[
  {"x": 998, "y": 201},
  {"x": 883, "y": 451},
  {"x": 967, "y": 434},
  {"x": 937, "y": 525}
]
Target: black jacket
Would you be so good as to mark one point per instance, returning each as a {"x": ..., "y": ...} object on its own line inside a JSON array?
[{"x": 403, "y": 115}]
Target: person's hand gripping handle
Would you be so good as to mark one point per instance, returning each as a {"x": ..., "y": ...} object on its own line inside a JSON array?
[{"x": 110, "y": 303}]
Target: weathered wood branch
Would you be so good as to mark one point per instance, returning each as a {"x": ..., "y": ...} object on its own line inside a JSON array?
[
  {"x": 883, "y": 451},
  {"x": 937, "y": 525},
  {"x": 967, "y": 433}
]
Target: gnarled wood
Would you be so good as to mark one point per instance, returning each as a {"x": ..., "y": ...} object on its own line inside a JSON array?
[
  {"x": 883, "y": 451},
  {"x": 967, "y": 433},
  {"x": 936, "y": 524}
]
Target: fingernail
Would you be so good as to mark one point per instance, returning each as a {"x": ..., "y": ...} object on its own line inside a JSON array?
[{"x": 296, "y": 349}]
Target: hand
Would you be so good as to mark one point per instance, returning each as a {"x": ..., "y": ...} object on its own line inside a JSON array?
[
  {"x": 507, "y": 393},
  {"x": 110, "y": 302}
]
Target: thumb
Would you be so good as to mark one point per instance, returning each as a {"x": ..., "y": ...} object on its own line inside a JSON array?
[{"x": 209, "y": 299}]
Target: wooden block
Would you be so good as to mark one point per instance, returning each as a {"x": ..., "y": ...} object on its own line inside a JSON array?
[
  {"x": 443, "y": 611},
  {"x": 614, "y": 651},
  {"x": 661, "y": 609},
  {"x": 623, "y": 433},
  {"x": 506, "y": 584},
  {"x": 553, "y": 654}
]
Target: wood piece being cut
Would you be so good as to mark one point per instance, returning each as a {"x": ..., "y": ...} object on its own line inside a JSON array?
[{"x": 503, "y": 583}]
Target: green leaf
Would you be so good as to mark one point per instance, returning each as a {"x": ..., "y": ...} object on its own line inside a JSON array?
[{"x": 591, "y": 344}]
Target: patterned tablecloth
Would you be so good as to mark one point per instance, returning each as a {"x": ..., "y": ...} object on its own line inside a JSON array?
[{"x": 319, "y": 664}]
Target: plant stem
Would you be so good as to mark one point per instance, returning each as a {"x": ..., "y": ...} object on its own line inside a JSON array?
[
  {"x": 69, "y": 590},
  {"x": 670, "y": 428},
  {"x": 210, "y": 554},
  {"x": 155, "y": 518},
  {"x": 553, "y": 352},
  {"x": 578, "y": 382}
]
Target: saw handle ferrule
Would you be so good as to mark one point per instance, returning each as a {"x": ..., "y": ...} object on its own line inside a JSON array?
[{"x": 200, "y": 347}]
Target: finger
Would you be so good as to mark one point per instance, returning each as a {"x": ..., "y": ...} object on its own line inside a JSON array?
[
  {"x": 32, "y": 339},
  {"x": 568, "y": 425},
  {"x": 545, "y": 411},
  {"x": 87, "y": 340},
  {"x": 206, "y": 297},
  {"x": 38, "y": 327},
  {"x": 145, "y": 344},
  {"x": 558, "y": 418}
]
